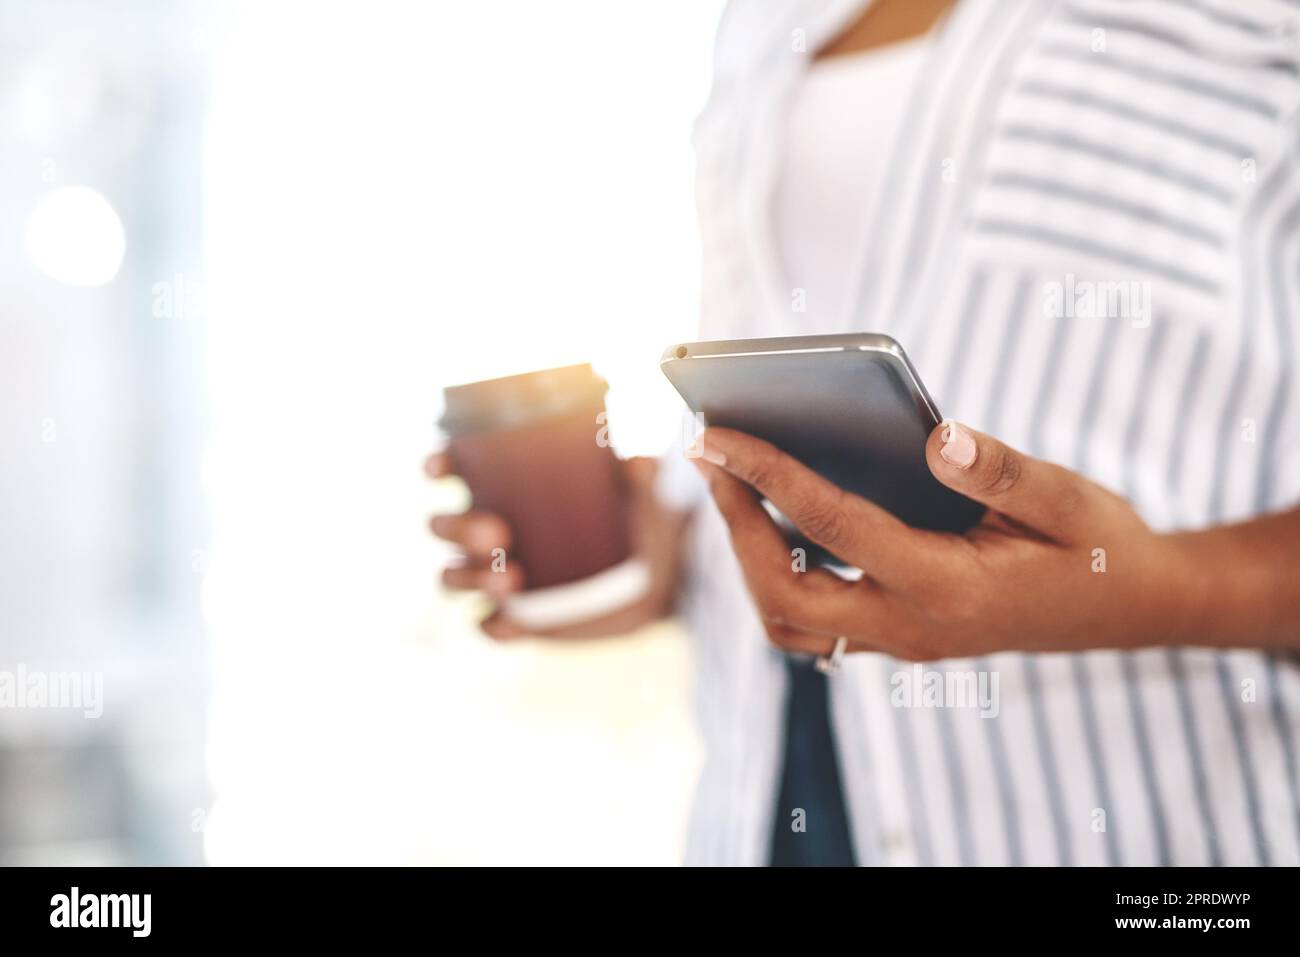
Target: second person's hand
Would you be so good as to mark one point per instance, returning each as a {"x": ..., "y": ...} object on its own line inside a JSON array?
[{"x": 656, "y": 539}]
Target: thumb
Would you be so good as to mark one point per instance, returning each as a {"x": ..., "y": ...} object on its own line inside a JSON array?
[{"x": 1051, "y": 500}]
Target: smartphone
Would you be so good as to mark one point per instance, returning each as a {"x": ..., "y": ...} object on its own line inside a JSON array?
[{"x": 850, "y": 407}]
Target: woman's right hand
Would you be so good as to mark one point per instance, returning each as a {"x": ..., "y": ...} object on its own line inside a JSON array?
[{"x": 656, "y": 539}]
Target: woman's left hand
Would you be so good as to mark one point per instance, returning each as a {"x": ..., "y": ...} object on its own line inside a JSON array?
[{"x": 1057, "y": 563}]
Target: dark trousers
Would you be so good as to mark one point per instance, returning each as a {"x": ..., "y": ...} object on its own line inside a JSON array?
[{"x": 810, "y": 779}]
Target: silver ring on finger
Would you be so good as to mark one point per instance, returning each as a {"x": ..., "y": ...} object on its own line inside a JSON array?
[{"x": 830, "y": 664}]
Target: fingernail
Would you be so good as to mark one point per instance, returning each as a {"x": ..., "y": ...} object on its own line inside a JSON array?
[
  {"x": 711, "y": 454},
  {"x": 958, "y": 445}
]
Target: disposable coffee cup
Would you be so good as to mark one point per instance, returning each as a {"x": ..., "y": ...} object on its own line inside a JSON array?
[{"x": 532, "y": 449}]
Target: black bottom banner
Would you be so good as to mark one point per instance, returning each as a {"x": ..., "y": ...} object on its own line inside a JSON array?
[{"x": 231, "y": 906}]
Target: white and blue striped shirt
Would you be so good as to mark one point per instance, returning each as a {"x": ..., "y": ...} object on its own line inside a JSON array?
[{"x": 1151, "y": 141}]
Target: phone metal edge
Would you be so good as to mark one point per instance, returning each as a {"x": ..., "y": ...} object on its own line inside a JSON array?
[{"x": 854, "y": 342}]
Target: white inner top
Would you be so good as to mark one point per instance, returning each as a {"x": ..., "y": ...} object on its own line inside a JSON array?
[{"x": 840, "y": 129}]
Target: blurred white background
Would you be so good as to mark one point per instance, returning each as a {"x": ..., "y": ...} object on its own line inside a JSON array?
[{"x": 324, "y": 213}]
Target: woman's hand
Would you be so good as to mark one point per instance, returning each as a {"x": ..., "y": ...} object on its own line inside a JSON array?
[
  {"x": 1057, "y": 563},
  {"x": 656, "y": 539}
]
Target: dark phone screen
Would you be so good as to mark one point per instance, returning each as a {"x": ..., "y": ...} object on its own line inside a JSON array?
[{"x": 850, "y": 415}]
